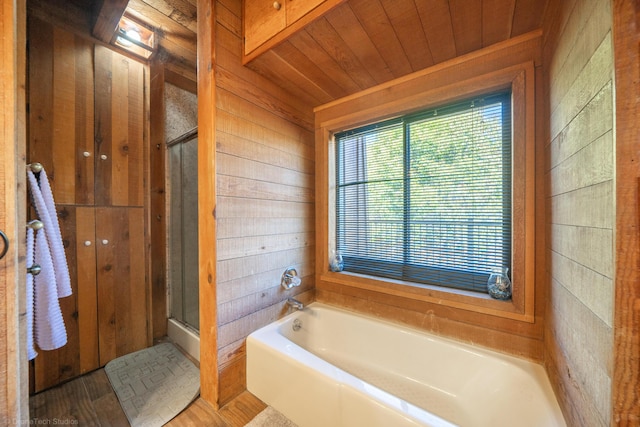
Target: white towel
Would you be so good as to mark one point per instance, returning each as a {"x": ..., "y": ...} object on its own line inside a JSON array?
[
  {"x": 49, "y": 325},
  {"x": 53, "y": 282},
  {"x": 54, "y": 237},
  {"x": 31, "y": 352}
]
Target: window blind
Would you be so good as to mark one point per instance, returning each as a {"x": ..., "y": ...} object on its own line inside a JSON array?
[{"x": 427, "y": 197}]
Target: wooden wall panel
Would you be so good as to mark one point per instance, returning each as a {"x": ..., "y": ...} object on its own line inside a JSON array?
[
  {"x": 626, "y": 356},
  {"x": 265, "y": 200},
  {"x": 157, "y": 194},
  {"x": 40, "y": 117},
  {"x": 14, "y": 405},
  {"x": 580, "y": 165},
  {"x": 207, "y": 204}
]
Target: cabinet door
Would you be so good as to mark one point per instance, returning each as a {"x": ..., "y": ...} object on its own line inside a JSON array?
[
  {"x": 263, "y": 19},
  {"x": 122, "y": 288},
  {"x": 61, "y": 110},
  {"x": 79, "y": 310},
  {"x": 296, "y": 9},
  {"x": 119, "y": 129}
]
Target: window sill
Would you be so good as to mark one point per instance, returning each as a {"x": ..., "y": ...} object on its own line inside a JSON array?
[{"x": 449, "y": 297}]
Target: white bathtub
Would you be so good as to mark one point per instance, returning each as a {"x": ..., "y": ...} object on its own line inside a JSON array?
[{"x": 345, "y": 369}]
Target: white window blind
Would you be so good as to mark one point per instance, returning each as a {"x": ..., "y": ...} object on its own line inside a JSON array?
[{"x": 426, "y": 198}]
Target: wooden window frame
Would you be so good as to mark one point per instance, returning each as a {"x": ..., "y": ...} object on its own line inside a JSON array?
[{"x": 410, "y": 94}]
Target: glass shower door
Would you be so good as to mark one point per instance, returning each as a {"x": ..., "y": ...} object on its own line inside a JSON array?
[{"x": 183, "y": 230}]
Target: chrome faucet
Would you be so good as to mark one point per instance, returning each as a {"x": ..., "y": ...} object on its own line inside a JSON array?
[{"x": 295, "y": 303}]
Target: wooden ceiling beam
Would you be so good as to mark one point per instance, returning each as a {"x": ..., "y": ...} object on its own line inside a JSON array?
[{"x": 107, "y": 16}]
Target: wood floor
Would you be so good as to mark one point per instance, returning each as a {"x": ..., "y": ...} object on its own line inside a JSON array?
[{"x": 90, "y": 401}]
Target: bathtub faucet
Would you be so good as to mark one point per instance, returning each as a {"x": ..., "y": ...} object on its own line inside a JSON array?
[{"x": 295, "y": 303}]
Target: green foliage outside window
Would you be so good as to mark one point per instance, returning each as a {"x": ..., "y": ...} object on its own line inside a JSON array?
[{"x": 427, "y": 197}]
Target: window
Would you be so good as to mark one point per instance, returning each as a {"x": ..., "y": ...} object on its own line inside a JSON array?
[
  {"x": 400, "y": 273},
  {"x": 426, "y": 197}
]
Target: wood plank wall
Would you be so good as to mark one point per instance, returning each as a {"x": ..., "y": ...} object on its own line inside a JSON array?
[
  {"x": 626, "y": 357},
  {"x": 265, "y": 199},
  {"x": 580, "y": 171},
  {"x": 209, "y": 378},
  {"x": 14, "y": 409}
]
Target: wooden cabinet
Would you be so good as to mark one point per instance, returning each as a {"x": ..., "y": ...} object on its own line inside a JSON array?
[
  {"x": 87, "y": 127},
  {"x": 297, "y": 9},
  {"x": 268, "y": 22},
  {"x": 262, "y": 20}
]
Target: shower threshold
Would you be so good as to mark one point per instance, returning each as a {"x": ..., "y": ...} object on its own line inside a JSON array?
[{"x": 185, "y": 336}]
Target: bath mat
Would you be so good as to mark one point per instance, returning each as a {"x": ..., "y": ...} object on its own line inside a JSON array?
[
  {"x": 154, "y": 385},
  {"x": 269, "y": 417}
]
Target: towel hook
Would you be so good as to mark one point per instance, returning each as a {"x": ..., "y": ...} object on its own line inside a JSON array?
[{"x": 35, "y": 224}]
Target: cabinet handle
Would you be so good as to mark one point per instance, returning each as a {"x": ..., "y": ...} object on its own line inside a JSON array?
[
  {"x": 87, "y": 242},
  {"x": 103, "y": 156},
  {"x": 105, "y": 242},
  {"x": 277, "y": 5},
  {"x": 86, "y": 154}
]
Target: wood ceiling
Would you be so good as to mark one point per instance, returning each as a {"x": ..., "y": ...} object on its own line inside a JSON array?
[
  {"x": 357, "y": 45},
  {"x": 362, "y": 43}
]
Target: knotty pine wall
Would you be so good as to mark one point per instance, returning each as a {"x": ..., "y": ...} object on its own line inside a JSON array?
[
  {"x": 580, "y": 156},
  {"x": 265, "y": 199}
]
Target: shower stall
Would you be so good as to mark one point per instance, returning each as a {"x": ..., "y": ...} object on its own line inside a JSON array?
[{"x": 182, "y": 252}]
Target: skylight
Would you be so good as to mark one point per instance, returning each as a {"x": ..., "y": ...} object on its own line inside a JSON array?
[{"x": 135, "y": 38}]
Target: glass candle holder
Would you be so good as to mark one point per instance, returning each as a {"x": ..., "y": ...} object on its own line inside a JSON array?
[
  {"x": 336, "y": 263},
  {"x": 499, "y": 285}
]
